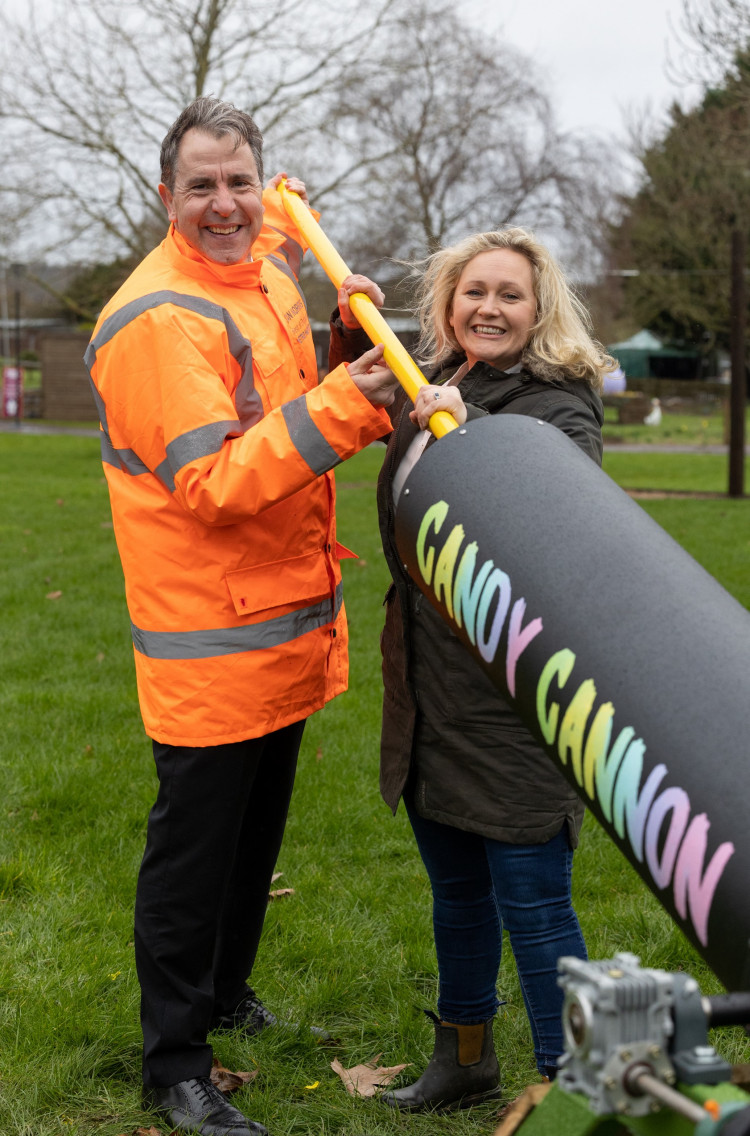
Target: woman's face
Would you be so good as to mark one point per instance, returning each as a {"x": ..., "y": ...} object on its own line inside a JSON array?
[{"x": 494, "y": 307}]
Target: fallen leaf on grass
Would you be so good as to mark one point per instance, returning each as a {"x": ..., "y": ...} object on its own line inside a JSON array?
[
  {"x": 280, "y": 892},
  {"x": 53, "y": 595},
  {"x": 514, "y": 1114},
  {"x": 365, "y": 1080},
  {"x": 227, "y": 1081}
]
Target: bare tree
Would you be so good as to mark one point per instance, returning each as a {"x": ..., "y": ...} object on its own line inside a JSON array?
[
  {"x": 87, "y": 91},
  {"x": 410, "y": 127},
  {"x": 712, "y": 39},
  {"x": 449, "y": 130}
]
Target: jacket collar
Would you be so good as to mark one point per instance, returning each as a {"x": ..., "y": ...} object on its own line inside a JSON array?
[
  {"x": 193, "y": 263},
  {"x": 509, "y": 385}
]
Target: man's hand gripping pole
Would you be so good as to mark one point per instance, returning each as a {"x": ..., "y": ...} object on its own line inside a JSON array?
[{"x": 396, "y": 356}]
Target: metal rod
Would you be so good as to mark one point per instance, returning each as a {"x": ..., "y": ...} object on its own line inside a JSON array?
[{"x": 651, "y": 1085}]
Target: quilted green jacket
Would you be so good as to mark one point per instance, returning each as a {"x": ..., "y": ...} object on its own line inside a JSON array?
[{"x": 448, "y": 736}]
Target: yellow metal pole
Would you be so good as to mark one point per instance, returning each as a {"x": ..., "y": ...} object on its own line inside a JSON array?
[{"x": 396, "y": 356}]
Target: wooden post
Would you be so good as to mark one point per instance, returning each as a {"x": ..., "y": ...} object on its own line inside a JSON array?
[
  {"x": 738, "y": 389},
  {"x": 17, "y": 272}
]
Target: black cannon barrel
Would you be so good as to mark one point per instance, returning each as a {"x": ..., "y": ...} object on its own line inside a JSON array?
[{"x": 628, "y": 661}]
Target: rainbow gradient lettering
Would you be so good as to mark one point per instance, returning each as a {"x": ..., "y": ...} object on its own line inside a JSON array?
[{"x": 577, "y": 726}]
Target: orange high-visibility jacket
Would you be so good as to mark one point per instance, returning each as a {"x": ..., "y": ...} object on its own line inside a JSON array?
[{"x": 218, "y": 445}]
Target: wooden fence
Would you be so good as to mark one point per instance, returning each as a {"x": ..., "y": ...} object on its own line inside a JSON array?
[{"x": 66, "y": 390}]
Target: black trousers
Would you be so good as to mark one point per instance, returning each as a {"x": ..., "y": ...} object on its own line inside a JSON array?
[{"x": 213, "y": 838}]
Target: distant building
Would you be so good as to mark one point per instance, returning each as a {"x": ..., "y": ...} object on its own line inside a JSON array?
[
  {"x": 645, "y": 356},
  {"x": 25, "y": 334}
]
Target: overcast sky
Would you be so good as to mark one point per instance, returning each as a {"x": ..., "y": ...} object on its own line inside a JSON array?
[{"x": 598, "y": 57}]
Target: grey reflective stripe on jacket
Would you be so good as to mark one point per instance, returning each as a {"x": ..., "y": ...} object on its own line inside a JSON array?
[
  {"x": 282, "y": 266},
  {"x": 210, "y": 643},
  {"x": 290, "y": 250},
  {"x": 311, "y": 444},
  {"x": 198, "y": 442}
]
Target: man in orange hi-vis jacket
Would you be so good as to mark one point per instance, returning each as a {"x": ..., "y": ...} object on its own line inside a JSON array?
[{"x": 218, "y": 443}]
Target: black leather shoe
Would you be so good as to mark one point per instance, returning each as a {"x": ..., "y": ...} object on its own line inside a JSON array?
[
  {"x": 251, "y": 1016},
  {"x": 198, "y": 1106}
]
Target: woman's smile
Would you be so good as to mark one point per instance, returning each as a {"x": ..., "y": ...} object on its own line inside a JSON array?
[{"x": 494, "y": 307}]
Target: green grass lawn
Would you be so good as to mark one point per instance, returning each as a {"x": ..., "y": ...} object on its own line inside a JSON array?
[
  {"x": 671, "y": 472},
  {"x": 705, "y": 427},
  {"x": 352, "y": 947}
]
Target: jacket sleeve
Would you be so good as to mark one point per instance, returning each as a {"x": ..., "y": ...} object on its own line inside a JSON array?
[
  {"x": 576, "y": 419},
  {"x": 168, "y": 412},
  {"x": 281, "y": 454},
  {"x": 346, "y": 344}
]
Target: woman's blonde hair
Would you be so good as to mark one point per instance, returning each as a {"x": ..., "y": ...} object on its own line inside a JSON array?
[{"x": 561, "y": 336}]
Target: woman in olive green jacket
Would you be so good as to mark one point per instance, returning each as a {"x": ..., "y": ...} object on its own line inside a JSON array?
[{"x": 495, "y": 823}]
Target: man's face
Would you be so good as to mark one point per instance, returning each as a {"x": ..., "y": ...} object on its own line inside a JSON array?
[{"x": 216, "y": 201}]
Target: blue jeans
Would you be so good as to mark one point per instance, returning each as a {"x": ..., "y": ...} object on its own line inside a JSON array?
[{"x": 480, "y": 886}]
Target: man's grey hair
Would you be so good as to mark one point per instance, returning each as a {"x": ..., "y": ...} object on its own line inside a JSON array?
[{"x": 216, "y": 118}]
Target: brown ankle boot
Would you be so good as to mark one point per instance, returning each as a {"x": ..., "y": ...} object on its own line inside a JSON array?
[{"x": 463, "y": 1071}]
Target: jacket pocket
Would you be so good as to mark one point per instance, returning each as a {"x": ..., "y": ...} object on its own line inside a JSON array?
[{"x": 282, "y": 584}]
